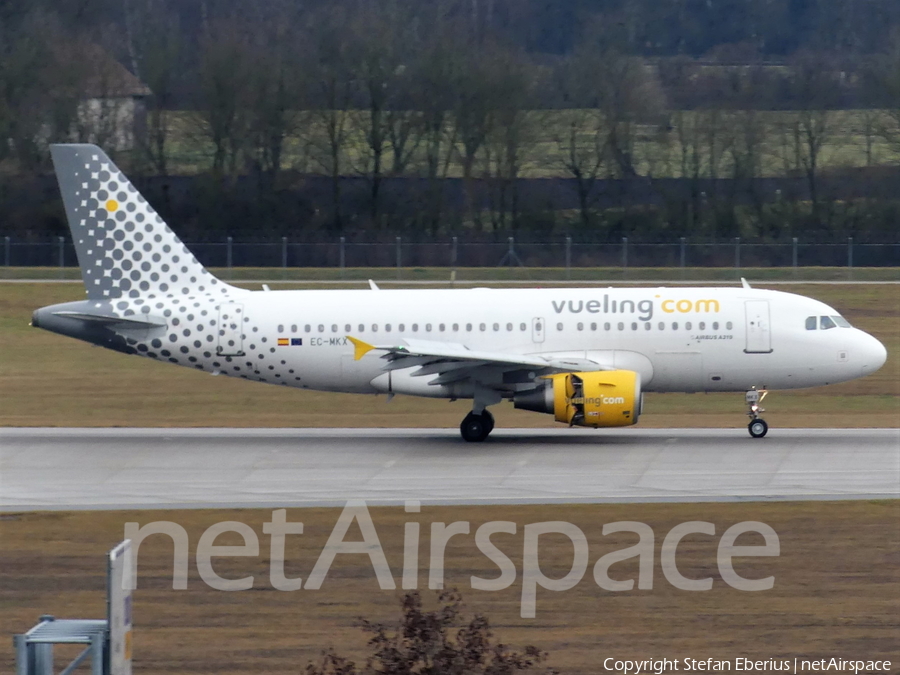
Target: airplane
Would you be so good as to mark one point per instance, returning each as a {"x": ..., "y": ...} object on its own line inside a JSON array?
[{"x": 584, "y": 355}]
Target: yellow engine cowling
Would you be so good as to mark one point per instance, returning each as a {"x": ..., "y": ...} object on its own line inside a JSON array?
[{"x": 606, "y": 398}]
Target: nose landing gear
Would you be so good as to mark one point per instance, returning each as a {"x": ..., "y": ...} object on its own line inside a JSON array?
[{"x": 758, "y": 426}]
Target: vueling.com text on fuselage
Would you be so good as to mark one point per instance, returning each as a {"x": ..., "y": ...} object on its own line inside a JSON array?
[{"x": 645, "y": 308}]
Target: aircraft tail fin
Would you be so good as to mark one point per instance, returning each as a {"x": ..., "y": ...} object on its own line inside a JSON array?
[{"x": 124, "y": 248}]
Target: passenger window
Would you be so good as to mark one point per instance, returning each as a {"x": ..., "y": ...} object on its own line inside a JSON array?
[
  {"x": 280, "y": 328},
  {"x": 825, "y": 323},
  {"x": 662, "y": 326},
  {"x": 482, "y": 327},
  {"x": 621, "y": 326},
  {"x": 559, "y": 326},
  {"x": 374, "y": 327},
  {"x": 811, "y": 323},
  {"x": 469, "y": 327},
  {"x": 321, "y": 328},
  {"x": 715, "y": 325},
  {"x": 387, "y": 328},
  {"x": 455, "y": 327},
  {"x": 334, "y": 328},
  {"x": 702, "y": 325},
  {"x": 308, "y": 328},
  {"x": 606, "y": 326},
  {"x": 415, "y": 328},
  {"x": 441, "y": 327},
  {"x": 401, "y": 327},
  {"x": 347, "y": 328},
  {"x": 362, "y": 329},
  {"x": 633, "y": 325},
  {"x": 294, "y": 328},
  {"x": 687, "y": 325},
  {"x": 674, "y": 325},
  {"x": 509, "y": 327},
  {"x": 647, "y": 326},
  {"x": 593, "y": 326},
  {"x": 496, "y": 327},
  {"x": 580, "y": 326},
  {"x": 728, "y": 325},
  {"x": 428, "y": 327},
  {"x": 523, "y": 327}
]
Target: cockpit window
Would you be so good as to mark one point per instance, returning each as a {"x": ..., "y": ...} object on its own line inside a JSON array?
[
  {"x": 841, "y": 321},
  {"x": 812, "y": 323},
  {"x": 825, "y": 323}
]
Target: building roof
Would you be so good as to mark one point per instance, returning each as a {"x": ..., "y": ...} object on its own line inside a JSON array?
[{"x": 106, "y": 77}]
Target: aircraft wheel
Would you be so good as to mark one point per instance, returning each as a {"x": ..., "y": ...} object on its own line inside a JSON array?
[
  {"x": 758, "y": 428},
  {"x": 475, "y": 428},
  {"x": 490, "y": 420}
]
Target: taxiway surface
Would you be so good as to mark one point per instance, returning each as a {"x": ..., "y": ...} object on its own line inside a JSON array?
[{"x": 184, "y": 468}]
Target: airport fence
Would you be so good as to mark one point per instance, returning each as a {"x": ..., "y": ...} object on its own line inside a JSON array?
[{"x": 455, "y": 253}]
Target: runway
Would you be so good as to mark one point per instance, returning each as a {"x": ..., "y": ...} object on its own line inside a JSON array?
[{"x": 200, "y": 468}]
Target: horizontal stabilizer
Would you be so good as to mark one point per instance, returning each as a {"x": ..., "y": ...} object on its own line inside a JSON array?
[{"x": 124, "y": 322}]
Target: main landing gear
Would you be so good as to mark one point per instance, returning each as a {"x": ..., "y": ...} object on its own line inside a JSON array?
[
  {"x": 757, "y": 427},
  {"x": 475, "y": 428}
]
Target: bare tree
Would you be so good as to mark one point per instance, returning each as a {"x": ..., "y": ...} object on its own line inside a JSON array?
[
  {"x": 379, "y": 35},
  {"x": 224, "y": 89},
  {"x": 472, "y": 115},
  {"x": 583, "y": 152},
  {"x": 746, "y": 135},
  {"x": 276, "y": 89},
  {"x": 582, "y": 140},
  {"x": 328, "y": 62},
  {"x": 887, "y": 79},
  {"x": 510, "y": 136},
  {"x": 439, "y": 70},
  {"x": 39, "y": 86},
  {"x": 627, "y": 96},
  {"x": 432, "y": 642},
  {"x": 154, "y": 45},
  {"x": 610, "y": 96},
  {"x": 807, "y": 132},
  {"x": 701, "y": 143},
  {"x": 24, "y": 63}
]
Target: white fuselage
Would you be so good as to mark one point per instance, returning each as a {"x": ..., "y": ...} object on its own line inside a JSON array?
[{"x": 678, "y": 339}]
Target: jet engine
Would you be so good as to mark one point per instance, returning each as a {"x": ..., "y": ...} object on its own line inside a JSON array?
[{"x": 606, "y": 398}]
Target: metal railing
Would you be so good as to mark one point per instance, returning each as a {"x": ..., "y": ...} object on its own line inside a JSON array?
[{"x": 564, "y": 254}]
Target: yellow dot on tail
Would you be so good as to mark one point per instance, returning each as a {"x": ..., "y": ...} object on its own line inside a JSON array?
[{"x": 112, "y": 205}]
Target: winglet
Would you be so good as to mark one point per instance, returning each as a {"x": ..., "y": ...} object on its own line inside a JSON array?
[
  {"x": 360, "y": 348},
  {"x": 745, "y": 283}
]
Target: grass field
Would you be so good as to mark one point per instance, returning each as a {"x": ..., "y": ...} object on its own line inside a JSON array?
[
  {"x": 659, "y": 149},
  {"x": 49, "y": 380},
  {"x": 835, "y": 594}
]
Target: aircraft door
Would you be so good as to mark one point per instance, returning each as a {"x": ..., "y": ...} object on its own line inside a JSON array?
[
  {"x": 759, "y": 335},
  {"x": 231, "y": 320},
  {"x": 538, "y": 326}
]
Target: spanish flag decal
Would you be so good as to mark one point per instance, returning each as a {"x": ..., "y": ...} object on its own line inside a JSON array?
[
  {"x": 284, "y": 342},
  {"x": 290, "y": 342}
]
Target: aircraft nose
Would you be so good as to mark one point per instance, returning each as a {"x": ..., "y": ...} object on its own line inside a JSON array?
[{"x": 873, "y": 354}]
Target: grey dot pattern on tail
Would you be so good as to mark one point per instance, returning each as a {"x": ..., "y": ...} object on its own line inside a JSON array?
[{"x": 129, "y": 251}]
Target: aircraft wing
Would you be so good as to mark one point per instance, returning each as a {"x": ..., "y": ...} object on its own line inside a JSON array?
[{"x": 453, "y": 361}]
